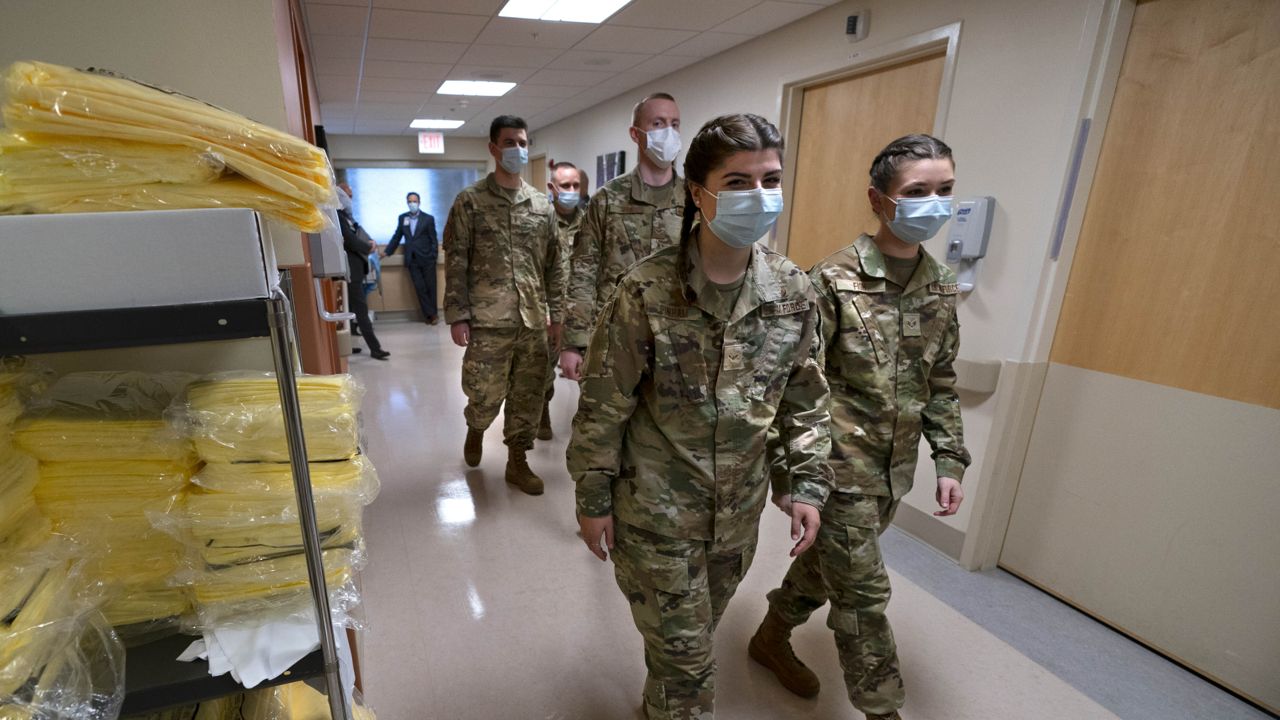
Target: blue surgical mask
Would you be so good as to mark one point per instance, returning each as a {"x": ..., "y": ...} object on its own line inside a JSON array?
[
  {"x": 568, "y": 200},
  {"x": 918, "y": 219},
  {"x": 413, "y": 207},
  {"x": 744, "y": 216},
  {"x": 514, "y": 159}
]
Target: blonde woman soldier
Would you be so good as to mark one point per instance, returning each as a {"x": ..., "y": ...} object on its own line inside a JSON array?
[{"x": 701, "y": 348}]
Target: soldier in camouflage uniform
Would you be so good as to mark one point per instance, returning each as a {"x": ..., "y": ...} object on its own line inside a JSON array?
[
  {"x": 890, "y": 336},
  {"x": 702, "y": 348},
  {"x": 630, "y": 217},
  {"x": 565, "y": 190},
  {"x": 503, "y": 276}
]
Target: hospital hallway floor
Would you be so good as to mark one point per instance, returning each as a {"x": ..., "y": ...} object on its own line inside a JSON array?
[{"x": 483, "y": 604}]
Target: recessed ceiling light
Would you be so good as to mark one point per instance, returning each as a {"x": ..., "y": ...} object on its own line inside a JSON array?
[
  {"x": 475, "y": 87},
  {"x": 583, "y": 11},
  {"x": 427, "y": 124}
]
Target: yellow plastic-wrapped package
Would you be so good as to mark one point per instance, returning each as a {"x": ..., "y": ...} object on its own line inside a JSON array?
[
  {"x": 295, "y": 701},
  {"x": 53, "y": 99},
  {"x": 237, "y": 417},
  {"x": 276, "y": 587},
  {"x": 40, "y": 163},
  {"x": 58, "y": 657},
  {"x": 19, "y": 473}
]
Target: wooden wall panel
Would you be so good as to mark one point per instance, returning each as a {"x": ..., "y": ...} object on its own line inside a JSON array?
[
  {"x": 843, "y": 124},
  {"x": 1174, "y": 279}
]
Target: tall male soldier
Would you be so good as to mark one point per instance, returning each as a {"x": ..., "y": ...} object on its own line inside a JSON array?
[
  {"x": 503, "y": 276},
  {"x": 565, "y": 191},
  {"x": 418, "y": 230},
  {"x": 630, "y": 218}
]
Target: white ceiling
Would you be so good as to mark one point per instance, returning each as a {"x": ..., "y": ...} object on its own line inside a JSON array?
[{"x": 378, "y": 62}]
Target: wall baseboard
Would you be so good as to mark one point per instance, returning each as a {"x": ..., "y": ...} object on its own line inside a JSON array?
[{"x": 926, "y": 528}]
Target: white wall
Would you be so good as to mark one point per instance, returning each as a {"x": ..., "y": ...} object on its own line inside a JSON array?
[{"x": 1019, "y": 75}]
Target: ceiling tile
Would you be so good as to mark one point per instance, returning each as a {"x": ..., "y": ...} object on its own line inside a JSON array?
[
  {"x": 380, "y": 127},
  {"x": 414, "y": 97},
  {"x": 532, "y": 57},
  {"x": 337, "y": 68},
  {"x": 598, "y": 61},
  {"x": 340, "y": 47},
  {"x": 546, "y": 91},
  {"x": 335, "y": 19},
  {"x": 534, "y": 33},
  {"x": 708, "y": 44},
  {"x": 386, "y": 111},
  {"x": 577, "y": 78},
  {"x": 465, "y": 7},
  {"x": 680, "y": 14},
  {"x": 615, "y": 38},
  {"x": 358, "y": 3},
  {"x": 399, "y": 85},
  {"x": 491, "y": 73},
  {"x": 663, "y": 64},
  {"x": 524, "y": 107},
  {"x": 413, "y": 50},
  {"x": 766, "y": 17},
  {"x": 410, "y": 25},
  {"x": 391, "y": 69},
  {"x": 336, "y": 88},
  {"x": 338, "y": 108}
]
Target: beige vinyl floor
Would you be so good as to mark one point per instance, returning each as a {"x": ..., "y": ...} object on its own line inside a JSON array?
[{"x": 482, "y": 604}]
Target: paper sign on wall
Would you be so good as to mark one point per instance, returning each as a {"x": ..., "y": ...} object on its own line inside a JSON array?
[{"x": 430, "y": 143}]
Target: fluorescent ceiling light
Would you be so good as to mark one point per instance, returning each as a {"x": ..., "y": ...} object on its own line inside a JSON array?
[
  {"x": 583, "y": 11},
  {"x": 475, "y": 87},
  {"x": 427, "y": 124}
]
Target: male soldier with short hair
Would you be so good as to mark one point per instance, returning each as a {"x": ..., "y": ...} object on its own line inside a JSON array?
[
  {"x": 565, "y": 191},
  {"x": 630, "y": 218},
  {"x": 503, "y": 276}
]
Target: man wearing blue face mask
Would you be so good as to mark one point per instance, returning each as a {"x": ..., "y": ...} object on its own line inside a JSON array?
[
  {"x": 418, "y": 231},
  {"x": 503, "y": 299},
  {"x": 891, "y": 335},
  {"x": 565, "y": 190},
  {"x": 630, "y": 217}
]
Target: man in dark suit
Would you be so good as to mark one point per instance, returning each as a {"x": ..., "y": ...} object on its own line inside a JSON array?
[{"x": 418, "y": 230}]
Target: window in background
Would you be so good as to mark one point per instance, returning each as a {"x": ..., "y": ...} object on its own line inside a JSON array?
[{"x": 379, "y": 194}]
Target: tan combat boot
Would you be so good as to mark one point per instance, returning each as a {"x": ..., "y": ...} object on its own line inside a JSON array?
[
  {"x": 520, "y": 475},
  {"x": 771, "y": 647},
  {"x": 473, "y": 447},
  {"x": 544, "y": 428}
]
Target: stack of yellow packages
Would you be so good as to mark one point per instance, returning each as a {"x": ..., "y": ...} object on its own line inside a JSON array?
[
  {"x": 241, "y": 517},
  {"x": 109, "y": 461},
  {"x": 22, "y": 526},
  {"x": 58, "y": 657},
  {"x": 295, "y": 701},
  {"x": 88, "y": 141}
]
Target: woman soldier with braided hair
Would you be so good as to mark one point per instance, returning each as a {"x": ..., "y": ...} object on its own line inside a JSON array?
[{"x": 701, "y": 348}]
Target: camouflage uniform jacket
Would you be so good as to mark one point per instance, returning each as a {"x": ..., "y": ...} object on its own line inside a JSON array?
[
  {"x": 625, "y": 222},
  {"x": 567, "y": 230},
  {"x": 676, "y": 402},
  {"x": 889, "y": 355},
  {"x": 502, "y": 258}
]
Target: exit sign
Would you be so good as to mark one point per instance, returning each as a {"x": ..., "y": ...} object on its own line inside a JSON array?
[{"x": 430, "y": 143}]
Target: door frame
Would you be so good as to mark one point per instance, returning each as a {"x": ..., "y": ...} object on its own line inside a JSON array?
[
  {"x": 858, "y": 62},
  {"x": 1022, "y": 378}
]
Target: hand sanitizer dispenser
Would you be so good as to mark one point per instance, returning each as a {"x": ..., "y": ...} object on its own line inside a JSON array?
[{"x": 967, "y": 240}]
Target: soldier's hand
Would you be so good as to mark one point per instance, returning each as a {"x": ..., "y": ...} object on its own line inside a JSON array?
[
  {"x": 571, "y": 363},
  {"x": 949, "y": 496},
  {"x": 554, "y": 333},
  {"x": 461, "y": 332},
  {"x": 805, "y": 520},
  {"x": 592, "y": 529},
  {"x": 783, "y": 501}
]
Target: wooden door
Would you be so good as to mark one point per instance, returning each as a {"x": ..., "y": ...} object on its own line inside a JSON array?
[
  {"x": 538, "y": 173},
  {"x": 843, "y": 124},
  {"x": 1145, "y": 497}
]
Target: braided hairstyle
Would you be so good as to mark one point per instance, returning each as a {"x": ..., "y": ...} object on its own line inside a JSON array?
[
  {"x": 714, "y": 143},
  {"x": 907, "y": 148}
]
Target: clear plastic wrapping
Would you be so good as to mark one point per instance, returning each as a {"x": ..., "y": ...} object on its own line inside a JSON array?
[
  {"x": 255, "y": 592},
  {"x": 18, "y": 381},
  {"x": 237, "y": 417},
  {"x": 295, "y": 701},
  {"x": 36, "y": 163},
  {"x": 54, "y": 100},
  {"x": 59, "y": 659},
  {"x": 19, "y": 474}
]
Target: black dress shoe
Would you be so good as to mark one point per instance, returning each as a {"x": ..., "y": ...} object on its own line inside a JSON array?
[
  {"x": 356, "y": 351},
  {"x": 379, "y": 354}
]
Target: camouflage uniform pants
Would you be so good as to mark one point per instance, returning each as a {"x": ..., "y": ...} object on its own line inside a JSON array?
[
  {"x": 506, "y": 364},
  {"x": 678, "y": 590},
  {"x": 554, "y": 359},
  {"x": 847, "y": 570}
]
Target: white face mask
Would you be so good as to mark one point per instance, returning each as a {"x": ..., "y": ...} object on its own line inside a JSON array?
[
  {"x": 662, "y": 145},
  {"x": 568, "y": 199},
  {"x": 918, "y": 219},
  {"x": 744, "y": 216},
  {"x": 514, "y": 159}
]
